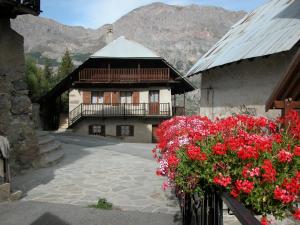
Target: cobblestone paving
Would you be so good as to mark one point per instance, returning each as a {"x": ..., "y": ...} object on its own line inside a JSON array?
[{"x": 86, "y": 174}]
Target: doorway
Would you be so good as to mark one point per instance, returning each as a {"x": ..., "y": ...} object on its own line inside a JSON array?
[{"x": 154, "y": 102}]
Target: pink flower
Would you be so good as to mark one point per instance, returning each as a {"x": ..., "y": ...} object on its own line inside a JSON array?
[{"x": 165, "y": 185}]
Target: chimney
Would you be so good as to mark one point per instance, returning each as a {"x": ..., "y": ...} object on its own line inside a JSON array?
[{"x": 109, "y": 34}]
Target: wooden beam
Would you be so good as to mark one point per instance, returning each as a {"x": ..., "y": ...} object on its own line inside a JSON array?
[{"x": 286, "y": 103}]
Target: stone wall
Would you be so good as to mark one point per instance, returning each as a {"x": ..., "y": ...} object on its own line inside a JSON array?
[
  {"x": 243, "y": 87},
  {"x": 15, "y": 106}
]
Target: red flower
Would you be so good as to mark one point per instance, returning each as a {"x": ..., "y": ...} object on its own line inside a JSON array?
[
  {"x": 284, "y": 156},
  {"x": 173, "y": 161},
  {"x": 222, "y": 180},
  {"x": 297, "y": 151},
  {"x": 234, "y": 192},
  {"x": 264, "y": 220},
  {"x": 194, "y": 153},
  {"x": 219, "y": 149},
  {"x": 269, "y": 175},
  {"x": 248, "y": 152},
  {"x": 297, "y": 214},
  {"x": 244, "y": 186},
  {"x": 255, "y": 172},
  {"x": 284, "y": 195}
]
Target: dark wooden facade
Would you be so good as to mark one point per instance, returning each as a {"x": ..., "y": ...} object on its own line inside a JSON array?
[
  {"x": 116, "y": 74},
  {"x": 286, "y": 95},
  {"x": 13, "y": 8}
]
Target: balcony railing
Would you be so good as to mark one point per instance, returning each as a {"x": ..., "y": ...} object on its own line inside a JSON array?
[
  {"x": 18, "y": 7},
  {"x": 120, "y": 110},
  {"x": 134, "y": 75}
]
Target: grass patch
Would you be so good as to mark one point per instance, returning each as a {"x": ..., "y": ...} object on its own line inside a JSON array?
[{"x": 102, "y": 204}]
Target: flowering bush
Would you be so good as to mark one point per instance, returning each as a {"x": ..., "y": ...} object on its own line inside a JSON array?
[{"x": 254, "y": 159}]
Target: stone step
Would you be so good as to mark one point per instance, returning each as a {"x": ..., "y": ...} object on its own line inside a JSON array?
[
  {"x": 41, "y": 133},
  {"x": 51, "y": 158},
  {"x": 4, "y": 192},
  {"x": 50, "y": 147},
  {"x": 46, "y": 139}
]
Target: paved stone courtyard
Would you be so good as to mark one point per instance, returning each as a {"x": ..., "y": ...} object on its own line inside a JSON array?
[{"x": 110, "y": 170}]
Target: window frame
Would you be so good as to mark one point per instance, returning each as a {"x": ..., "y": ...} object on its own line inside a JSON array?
[
  {"x": 92, "y": 131},
  {"x": 119, "y": 131},
  {"x": 99, "y": 95},
  {"x": 126, "y": 96}
]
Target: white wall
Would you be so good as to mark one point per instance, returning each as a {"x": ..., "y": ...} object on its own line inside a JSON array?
[
  {"x": 142, "y": 129},
  {"x": 248, "y": 84},
  {"x": 75, "y": 98},
  {"x": 75, "y": 95}
]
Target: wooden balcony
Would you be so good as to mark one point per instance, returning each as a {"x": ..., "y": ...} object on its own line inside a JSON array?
[
  {"x": 12, "y": 8},
  {"x": 129, "y": 75},
  {"x": 120, "y": 110}
]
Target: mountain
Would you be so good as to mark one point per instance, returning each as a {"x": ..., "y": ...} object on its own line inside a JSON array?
[{"x": 180, "y": 34}]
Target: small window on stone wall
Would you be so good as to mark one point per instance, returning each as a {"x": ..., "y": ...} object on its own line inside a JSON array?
[
  {"x": 97, "y": 129},
  {"x": 125, "y": 130}
]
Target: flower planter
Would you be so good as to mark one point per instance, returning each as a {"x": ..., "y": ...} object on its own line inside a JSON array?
[{"x": 254, "y": 159}]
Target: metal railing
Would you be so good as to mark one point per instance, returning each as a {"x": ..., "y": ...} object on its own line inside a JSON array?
[
  {"x": 208, "y": 210},
  {"x": 119, "y": 109}
]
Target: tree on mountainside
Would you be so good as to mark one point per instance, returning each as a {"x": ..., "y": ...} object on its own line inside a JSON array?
[
  {"x": 36, "y": 80},
  {"x": 65, "y": 67}
]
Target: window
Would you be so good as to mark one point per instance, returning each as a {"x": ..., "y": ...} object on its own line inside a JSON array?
[
  {"x": 97, "y": 130},
  {"x": 153, "y": 96},
  {"x": 125, "y": 130},
  {"x": 97, "y": 97},
  {"x": 126, "y": 97}
]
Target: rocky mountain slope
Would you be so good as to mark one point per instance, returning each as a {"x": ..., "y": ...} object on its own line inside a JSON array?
[{"x": 179, "y": 34}]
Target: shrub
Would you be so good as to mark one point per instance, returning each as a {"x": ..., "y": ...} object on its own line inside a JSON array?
[{"x": 102, "y": 204}]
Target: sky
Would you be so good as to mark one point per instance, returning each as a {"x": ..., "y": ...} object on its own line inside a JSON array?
[{"x": 95, "y": 13}]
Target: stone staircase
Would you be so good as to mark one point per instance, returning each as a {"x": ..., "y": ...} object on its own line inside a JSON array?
[
  {"x": 63, "y": 122},
  {"x": 50, "y": 149},
  {"x": 6, "y": 195}
]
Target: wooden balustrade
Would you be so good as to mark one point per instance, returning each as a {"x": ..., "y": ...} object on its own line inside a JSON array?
[{"x": 135, "y": 75}]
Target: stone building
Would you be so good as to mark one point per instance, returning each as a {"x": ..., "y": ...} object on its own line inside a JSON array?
[
  {"x": 15, "y": 106},
  {"x": 123, "y": 90},
  {"x": 239, "y": 73}
]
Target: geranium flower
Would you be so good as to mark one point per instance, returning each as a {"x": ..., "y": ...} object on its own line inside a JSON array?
[
  {"x": 244, "y": 186},
  {"x": 219, "y": 149},
  {"x": 222, "y": 180},
  {"x": 285, "y": 156},
  {"x": 297, "y": 214},
  {"x": 194, "y": 153},
  {"x": 297, "y": 151},
  {"x": 264, "y": 220},
  {"x": 269, "y": 174}
]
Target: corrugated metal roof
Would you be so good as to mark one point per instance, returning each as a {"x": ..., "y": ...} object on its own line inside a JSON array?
[
  {"x": 124, "y": 48},
  {"x": 272, "y": 28}
]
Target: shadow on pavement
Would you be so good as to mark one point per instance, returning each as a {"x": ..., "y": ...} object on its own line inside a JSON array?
[{"x": 49, "y": 219}]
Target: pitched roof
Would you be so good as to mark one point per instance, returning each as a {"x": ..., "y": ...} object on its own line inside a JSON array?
[
  {"x": 272, "y": 28},
  {"x": 124, "y": 48}
]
